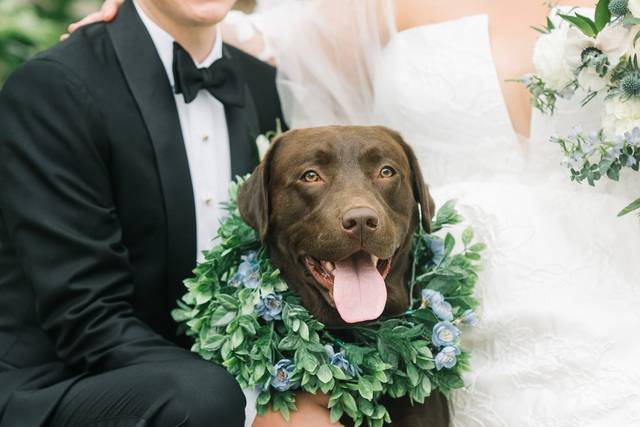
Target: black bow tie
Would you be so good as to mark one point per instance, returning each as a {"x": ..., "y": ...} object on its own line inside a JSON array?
[{"x": 223, "y": 79}]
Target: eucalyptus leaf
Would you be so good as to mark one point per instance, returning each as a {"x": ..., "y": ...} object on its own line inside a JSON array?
[
  {"x": 583, "y": 24},
  {"x": 324, "y": 374}
]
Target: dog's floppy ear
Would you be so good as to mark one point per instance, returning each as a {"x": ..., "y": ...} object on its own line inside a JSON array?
[
  {"x": 254, "y": 197},
  {"x": 420, "y": 189}
]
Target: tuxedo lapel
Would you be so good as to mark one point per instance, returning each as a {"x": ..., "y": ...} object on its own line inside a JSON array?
[
  {"x": 148, "y": 82},
  {"x": 243, "y": 126}
]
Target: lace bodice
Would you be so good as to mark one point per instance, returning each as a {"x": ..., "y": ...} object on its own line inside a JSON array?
[{"x": 438, "y": 85}]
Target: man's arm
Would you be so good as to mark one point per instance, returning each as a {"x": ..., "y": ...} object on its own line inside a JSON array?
[{"x": 57, "y": 203}]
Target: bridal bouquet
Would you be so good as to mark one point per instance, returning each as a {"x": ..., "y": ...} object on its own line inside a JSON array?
[{"x": 599, "y": 56}]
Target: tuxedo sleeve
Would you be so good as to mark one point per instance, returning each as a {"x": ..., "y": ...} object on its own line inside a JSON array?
[{"x": 56, "y": 200}]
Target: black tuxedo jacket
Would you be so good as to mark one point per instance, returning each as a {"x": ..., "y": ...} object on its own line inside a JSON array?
[{"x": 97, "y": 216}]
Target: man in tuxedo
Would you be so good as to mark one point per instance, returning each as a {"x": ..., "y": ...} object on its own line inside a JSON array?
[{"x": 116, "y": 147}]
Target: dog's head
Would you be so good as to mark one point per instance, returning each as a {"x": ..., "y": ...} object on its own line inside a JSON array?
[{"x": 337, "y": 207}]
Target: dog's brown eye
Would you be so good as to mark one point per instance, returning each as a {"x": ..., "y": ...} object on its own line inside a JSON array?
[
  {"x": 310, "y": 176},
  {"x": 387, "y": 172}
]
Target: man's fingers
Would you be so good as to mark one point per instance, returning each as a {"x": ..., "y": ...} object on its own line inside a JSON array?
[
  {"x": 110, "y": 9},
  {"x": 64, "y": 37}
]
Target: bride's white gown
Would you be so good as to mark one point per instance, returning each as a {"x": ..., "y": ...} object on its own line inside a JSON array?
[
  {"x": 558, "y": 344},
  {"x": 559, "y": 340}
]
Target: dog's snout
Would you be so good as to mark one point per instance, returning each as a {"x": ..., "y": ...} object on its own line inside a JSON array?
[{"x": 359, "y": 220}]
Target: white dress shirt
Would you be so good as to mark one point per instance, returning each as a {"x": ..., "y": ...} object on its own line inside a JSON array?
[{"x": 206, "y": 139}]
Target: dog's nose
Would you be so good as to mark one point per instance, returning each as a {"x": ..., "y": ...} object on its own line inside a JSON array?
[{"x": 359, "y": 220}]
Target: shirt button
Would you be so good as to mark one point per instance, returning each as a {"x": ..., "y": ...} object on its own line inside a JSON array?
[
  {"x": 207, "y": 200},
  {"x": 205, "y": 137}
]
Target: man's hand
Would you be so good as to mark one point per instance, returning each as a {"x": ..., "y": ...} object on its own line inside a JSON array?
[
  {"x": 107, "y": 12},
  {"x": 312, "y": 412}
]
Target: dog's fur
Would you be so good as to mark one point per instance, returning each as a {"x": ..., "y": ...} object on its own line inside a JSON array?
[{"x": 296, "y": 218}]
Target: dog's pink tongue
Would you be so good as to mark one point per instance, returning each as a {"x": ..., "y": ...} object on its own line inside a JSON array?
[{"x": 358, "y": 289}]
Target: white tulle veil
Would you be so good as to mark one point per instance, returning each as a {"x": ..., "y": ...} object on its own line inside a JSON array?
[{"x": 326, "y": 52}]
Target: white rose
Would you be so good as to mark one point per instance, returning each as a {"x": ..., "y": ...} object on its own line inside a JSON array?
[
  {"x": 634, "y": 8},
  {"x": 620, "y": 116},
  {"x": 591, "y": 81},
  {"x": 550, "y": 61}
]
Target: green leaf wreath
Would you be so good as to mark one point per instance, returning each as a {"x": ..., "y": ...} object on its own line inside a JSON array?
[{"x": 242, "y": 315}]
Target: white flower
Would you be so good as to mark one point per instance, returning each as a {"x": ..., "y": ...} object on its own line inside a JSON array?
[
  {"x": 590, "y": 80},
  {"x": 620, "y": 116},
  {"x": 615, "y": 40},
  {"x": 262, "y": 143},
  {"x": 550, "y": 59},
  {"x": 634, "y": 8},
  {"x": 575, "y": 44}
]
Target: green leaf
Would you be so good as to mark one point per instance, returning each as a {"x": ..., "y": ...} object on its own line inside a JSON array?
[
  {"x": 237, "y": 338},
  {"x": 304, "y": 331},
  {"x": 324, "y": 374},
  {"x": 472, "y": 256},
  {"x": 349, "y": 404},
  {"x": 426, "y": 385},
  {"x": 338, "y": 373},
  {"x": 467, "y": 236},
  {"x": 412, "y": 373},
  {"x": 365, "y": 406},
  {"x": 584, "y": 24},
  {"x": 478, "y": 247},
  {"x": 213, "y": 342},
  {"x": 222, "y": 317},
  {"x": 550, "y": 24},
  {"x": 264, "y": 397},
  {"x": 335, "y": 414},
  {"x": 632, "y": 207},
  {"x": 631, "y": 20},
  {"x": 449, "y": 243},
  {"x": 310, "y": 363},
  {"x": 365, "y": 388},
  {"x": 603, "y": 15}
]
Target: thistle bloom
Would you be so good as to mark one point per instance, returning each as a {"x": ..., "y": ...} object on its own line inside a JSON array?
[
  {"x": 339, "y": 360},
  {"x": 281, "y": 379},
  {"x": 447, "y": 358},
  {"x": 269, "y": 307},
  {"x": 445, "y": 334}
]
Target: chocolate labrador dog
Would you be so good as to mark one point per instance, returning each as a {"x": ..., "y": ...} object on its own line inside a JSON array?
[{"x": 337, "y": 207}]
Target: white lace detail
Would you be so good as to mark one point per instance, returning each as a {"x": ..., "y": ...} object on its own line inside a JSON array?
[{"x": 561, "y": 291}]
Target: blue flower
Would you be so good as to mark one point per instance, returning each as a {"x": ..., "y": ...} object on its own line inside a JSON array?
[
  {"x": 436, "y": 247},
  {"x": 269, "y": 307},
  {"x": 339, "y": 360},
  {"x": 633, "y": 137},
  {"x": 248, "y": 273},
  {"x": 447, "y": 358},
  {"x": 445, "y": 334},
  {"x": 431, "y": 297},
  {"x": 442, "y": 310},
  {"x": 469, "y": 317},
  {"x": 281, "y": 379}
]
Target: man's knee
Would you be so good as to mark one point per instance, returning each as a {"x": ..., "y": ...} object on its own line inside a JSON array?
[{"x": 204, "y": 395}]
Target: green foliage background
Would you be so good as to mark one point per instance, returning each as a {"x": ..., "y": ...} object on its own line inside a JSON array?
[{"x": 30, "y": 26}]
